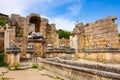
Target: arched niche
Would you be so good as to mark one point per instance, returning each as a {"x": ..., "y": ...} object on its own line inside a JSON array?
[{"x": 35, "y": 20}]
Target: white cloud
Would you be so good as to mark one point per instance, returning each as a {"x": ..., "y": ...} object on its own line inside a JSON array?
[
  {"x": 18, "y": 6},
  {"x": 76, "y": 7},
  {"x": 62, "y": 23},
  {"x": 21, "y": 7},
  {"x": 53, "y": 3}
]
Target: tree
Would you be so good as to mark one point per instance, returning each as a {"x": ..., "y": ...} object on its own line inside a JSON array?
[
  {"x": 64, "y": 34},
  {"x": 119, "y": 35}
]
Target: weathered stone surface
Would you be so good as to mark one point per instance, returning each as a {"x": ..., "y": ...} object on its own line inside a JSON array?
[
  {"x": 1, "y": 40},
  {"x": 74, "y": 72},
  {"x": 21, "y": 27},
  {"x": 4, "y": 17},
  {"x": 64, "y": 42},
  {"x": 2, "y": 71},
  {"x": 99, "y": 33},
  {"x": 99, "y": 37},
  {"x": 102, "y": 32},
  {"x": 106, "y": 57}
]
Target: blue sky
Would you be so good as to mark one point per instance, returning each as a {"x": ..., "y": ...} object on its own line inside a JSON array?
[{"x": 64, "y": 13}]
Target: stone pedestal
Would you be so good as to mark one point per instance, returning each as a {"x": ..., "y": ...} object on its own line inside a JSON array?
[
  {"x": 12, "y": 56},
  {"x": 13, "y": 59}
]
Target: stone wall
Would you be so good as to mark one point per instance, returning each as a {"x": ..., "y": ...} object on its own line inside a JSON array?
[
  {"x": 64, "y": 42},
  {"x": 74, "y": 71},
  {"x": 104, "y": 57},
  {"x": 102, "y": 32},
  {"x": 61, "y": 55},
  {"x": 97, "y": 34},
  {"x": 21, "y": 27},
  {"x": 119, "y": 42},
  {"x": 51, "y": 35},
  {"x": 4, "y": 17},
  {"x": 38, "y": 46},
  {"x": 1, "y": 40}
]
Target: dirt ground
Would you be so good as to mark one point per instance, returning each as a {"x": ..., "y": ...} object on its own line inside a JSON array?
[{"x": 31, "y": 74}]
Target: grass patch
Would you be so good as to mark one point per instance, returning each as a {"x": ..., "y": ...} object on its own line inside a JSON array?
[
  {"x": 40, "y": 68},
  {"x": 4, "y": 78},
  {"x": 35, "y": 65},
  {"x": 51, "y": 76}
]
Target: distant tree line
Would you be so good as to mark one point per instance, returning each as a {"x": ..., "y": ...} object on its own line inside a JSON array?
[{"x": 63, "y": 33}]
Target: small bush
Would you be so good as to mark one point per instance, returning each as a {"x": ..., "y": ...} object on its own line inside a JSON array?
[
  {"x": 2, "y": 22},
  {"x": 35, "y": 66},
  {"x": 2, "y": 63}
]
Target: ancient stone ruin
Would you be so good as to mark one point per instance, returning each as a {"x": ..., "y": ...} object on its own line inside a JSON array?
[
  {"x": 33, "y": 37},
  {"x": 3, "y": 17},
  {"x": 97, "y": 40},
  {"x": 30, "y": 36},
  {"x": 98, "y": 34},
  {"x": 23, "y": 31}
]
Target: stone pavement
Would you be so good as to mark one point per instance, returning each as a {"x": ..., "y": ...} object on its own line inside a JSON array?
[
  {"x": 32, "y": 74},
  {"x": 3, "y": 70}
]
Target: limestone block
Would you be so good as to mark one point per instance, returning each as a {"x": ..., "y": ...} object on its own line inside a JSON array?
[
  {"x": 28, "y": 55},
  {"x": 91, "y": 56},
  {"x": 81, "y": 55},
  {"x": 101, "y": 57},
  {"x": 109, "y": 57},
  {"x": 12, "y": 59},
  {"x": 116, "y": 57},
  {"x": 51, "y": 55}
]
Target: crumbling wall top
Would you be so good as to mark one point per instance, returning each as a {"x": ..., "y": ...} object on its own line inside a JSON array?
[
  {"x": 34, "y": 14},
  {"x": 108, "y": 18},
  {"x": 4, "y": 15},
  {"x": 15, "y": 16},
  {"x": 53, "y": 26},
  {"x": 45, "y": 20},
  {"x": 112, "y": 17}
]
